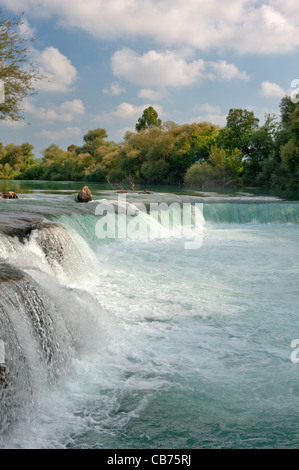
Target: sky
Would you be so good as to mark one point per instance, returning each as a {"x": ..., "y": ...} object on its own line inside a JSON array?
[{"x": 192, "y": 60}]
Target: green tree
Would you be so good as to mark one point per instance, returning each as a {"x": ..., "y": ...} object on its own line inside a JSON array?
[
  {"x": 148, "y": 119},
  {"x": 201, "y": 144},
  {"x": 262, "y": 146},
  {"x": 287, "y": 107},
  {"x": 7, "y": 172},
  {"x": 54, "y": 153},
  {"x": 96, "y": 145},
  {"x": 16, "y": 71},
  {"x": 34, "y": 172},
  {"x": 223, "y": 168},
  {"x": 28, "y": 157},
  {"x": 290, "y": 157},
  {"x": 13, "y": 156},
  {"x": 294, "y": 126},
  {"x": 155, "y": 172},
  {"x": 240, "y": 125},
  {"x": 202, "y": 175}
]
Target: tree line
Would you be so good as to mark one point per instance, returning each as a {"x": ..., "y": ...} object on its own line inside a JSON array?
[{"x": 242, "y": 153}]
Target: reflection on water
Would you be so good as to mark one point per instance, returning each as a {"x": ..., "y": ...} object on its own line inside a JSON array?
[{"x": 69, "y": 187}]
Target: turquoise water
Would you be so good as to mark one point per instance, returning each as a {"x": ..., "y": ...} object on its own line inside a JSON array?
[{"x": 174, "y": 348}]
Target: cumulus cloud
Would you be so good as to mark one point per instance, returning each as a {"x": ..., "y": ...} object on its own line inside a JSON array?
[
  {"x": 238, "y": 25},
  {"x": 66, "y": 112},
  {"x": 13, "y": 124},
  {"x": 272, "y": 90},
  {"x": 168, "y": 69},
  {"x": 61, "y": 133},
  {"x": 26, "y": 30},
  {"x": 217, "y": 119},
  {"x": 114, "y": 89},
  {"x": 209, "y": 109},
  {"x": 57, "y": 68},
  {"x": 225, "y": 71},
  {"x": 155, "y": 68},
  {"x": 153, "y": 95},
  {"x": 126, "y": 112},
  {"x": 209, "y": 113}
]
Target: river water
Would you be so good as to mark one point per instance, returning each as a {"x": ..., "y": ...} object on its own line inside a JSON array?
[{"x": 121, "y": 343}]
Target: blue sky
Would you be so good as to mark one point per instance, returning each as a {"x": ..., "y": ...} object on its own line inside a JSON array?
[{"x": 193, "y": 60}]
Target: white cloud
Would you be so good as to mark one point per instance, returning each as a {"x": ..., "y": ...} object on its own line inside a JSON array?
[
  {"x": 26, "y": 30},
  {"x": 209, "y": 109},
  {"x": 58, "y": 69},
  {"x": 217, "y": 119},
  {"x": 13, "y": 124},
  {"x": 66, "y": 112},
  {"x": 61, "y": 133},
  {"x": 126, "y": 112},
  {"x": 225, "y": 71},
  {"x": 156, "y": 68},
  {"x": 114, "y": 89},
  {"x": 168, "y": 69},
  {"x": 210, "y": 113},
  {"x": 120, "y": 133},
  {"x": 271, "y": 90},
  {"x": 239, "y": 25},
  {"x": 154, "y": 95}
]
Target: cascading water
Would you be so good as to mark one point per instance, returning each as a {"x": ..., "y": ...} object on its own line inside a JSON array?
[
  {"x": 44, "y": 322},
  {"x": 139, "y": 342}
]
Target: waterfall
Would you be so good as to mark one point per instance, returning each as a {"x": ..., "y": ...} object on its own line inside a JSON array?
[
  {"x": 266, "y": 213},
  {"x": 45, "y": 320},
  {"x": 67, "y": 294}
]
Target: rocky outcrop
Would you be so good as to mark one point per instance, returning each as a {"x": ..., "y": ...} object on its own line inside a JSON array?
[
  {"x": 8, "y": 195},
  {"x": 21, "y": 225},
  {"x": 85, "y": 195},
  {"x": 9, "y": 273}
]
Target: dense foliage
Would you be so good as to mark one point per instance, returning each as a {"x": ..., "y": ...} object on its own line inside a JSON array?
[
  {"x": 17, "y": 74},
  {"x": 202, "y": 155}
]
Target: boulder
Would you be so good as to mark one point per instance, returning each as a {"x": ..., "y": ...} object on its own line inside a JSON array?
[
  {"x": 85, "y": 195},
  {"x": 8, "y": 195}
]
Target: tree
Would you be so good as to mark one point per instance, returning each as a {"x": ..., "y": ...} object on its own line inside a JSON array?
[
  {"x": 262, "y": 147},
  {"x": 95, "y": 144},
  {"x": 240, "y": 124},
  {"x": 287, "y": 107},
  {"x": 223, "y": 168},
  {"x": 202, "y": 143},
  {"x": 148, "y": 119},
  {"x": 95, "y": 134},
  {"x": 294, "y": 127},
  {"x": 15, "y": 159},
  {"x": 16, "y": 72}
]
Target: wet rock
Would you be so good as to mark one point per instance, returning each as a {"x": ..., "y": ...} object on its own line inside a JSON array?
[
  {"x": 85, "y": 195},
  {"x": 21, "y": 226},
  {"x": 8, "y": 195},
  {"x": 9, "y": 273}
]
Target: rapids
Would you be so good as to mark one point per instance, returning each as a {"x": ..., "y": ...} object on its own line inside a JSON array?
[{"x": 141, "y": 343}]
